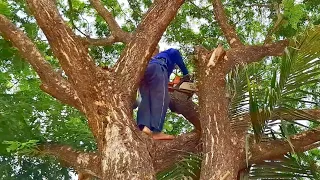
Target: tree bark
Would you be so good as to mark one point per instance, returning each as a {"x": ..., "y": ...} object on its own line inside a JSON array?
[
  {"x": 219, "y": 142},
  {"x": 124, "y": 150}
]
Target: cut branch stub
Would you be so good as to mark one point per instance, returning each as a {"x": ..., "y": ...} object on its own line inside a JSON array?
[
  {"x": 216, "y": 56},
  {"x": 210, "y": 63}
]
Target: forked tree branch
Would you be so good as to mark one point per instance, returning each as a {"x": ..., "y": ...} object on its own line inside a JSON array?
[
  {"x": 88, "y": 163},
  {"x": 52, "y": 82},
  {"x": 227, "y": 29},
  {"x": 67, "y": 47},
  {"x": 166, "y": 153},
  {"x": 116, "y": 31},
  {"x": 275, "y": 149}
]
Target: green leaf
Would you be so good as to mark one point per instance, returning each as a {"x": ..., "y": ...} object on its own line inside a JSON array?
[{"x": 4, "y": 8}]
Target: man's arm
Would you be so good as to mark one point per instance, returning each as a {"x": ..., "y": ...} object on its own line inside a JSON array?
[{"x": 176, "y": 56}]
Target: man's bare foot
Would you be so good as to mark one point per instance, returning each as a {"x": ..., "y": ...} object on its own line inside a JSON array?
[
  {"x": 147, "y": 130},
  {"x": 162, "y": 136}
]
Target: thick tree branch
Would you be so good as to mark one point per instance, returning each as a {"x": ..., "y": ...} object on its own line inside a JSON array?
[
  {"x": 52, "y": 82},
  {"x": 88, "y": 163},
  {"x": 67, "y": 47},
  {"x": 180, "y": 103},
  {"x": 116, "y": 31},
  {"x": 277, "y": 148},
  {"x": 166, "y": 153},
  {"x": 248, "y": 54},
  {"x": 63, "y": 91},
  {"x": 130, "y": 67},
  {"x": 74, "y": 59},
  {"x": 227, "y": 29}
]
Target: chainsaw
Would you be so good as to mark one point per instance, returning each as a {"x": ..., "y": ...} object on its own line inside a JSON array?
[{"x": 178, "y": 84}]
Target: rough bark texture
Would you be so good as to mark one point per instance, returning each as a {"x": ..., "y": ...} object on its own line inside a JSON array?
[
  {"x": 180, "y": 103},
  {"x": 249, "y": 54},
  {"x": 106, "y": 100},
  {"x": 124, "y": 153},
  {"x": 105, "y": 97},
  {"x": 223, "y": 148},
  {"x": 219, "y": 142}
]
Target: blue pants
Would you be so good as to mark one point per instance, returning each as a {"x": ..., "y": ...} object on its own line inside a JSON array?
[{"x": 155, "y": 98}]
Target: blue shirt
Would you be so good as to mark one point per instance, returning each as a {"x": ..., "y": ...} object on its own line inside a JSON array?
[{"x": 173, "y": 58}]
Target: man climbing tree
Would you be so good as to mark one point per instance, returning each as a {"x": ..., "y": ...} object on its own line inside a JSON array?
[
  {"x": 154, "y": 92},
  {"x": 257, "y": 73}
]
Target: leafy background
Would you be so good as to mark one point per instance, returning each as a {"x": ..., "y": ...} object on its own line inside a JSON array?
[{"x": 275, "y": 85}]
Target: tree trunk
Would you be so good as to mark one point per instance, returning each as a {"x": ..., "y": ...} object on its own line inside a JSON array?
[
  {"x": 219, "y": 141},
  {"x": 218, "y": 148},
  {"x": 124, "y": 153}
]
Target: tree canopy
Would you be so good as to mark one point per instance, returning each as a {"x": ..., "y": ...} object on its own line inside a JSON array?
[{"x": 275, "y": 99}]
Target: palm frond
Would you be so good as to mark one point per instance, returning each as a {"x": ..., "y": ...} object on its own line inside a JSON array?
[
  {"x": 188, "y": 168},
  {"x": 299, "y": 166},
  {"x": 287, "y": 86}
]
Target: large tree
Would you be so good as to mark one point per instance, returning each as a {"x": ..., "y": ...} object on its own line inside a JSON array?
[{"x": 256, "y": 65}]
